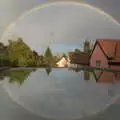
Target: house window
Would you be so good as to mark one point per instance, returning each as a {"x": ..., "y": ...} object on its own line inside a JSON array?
[{"x": 98, "y": 62}]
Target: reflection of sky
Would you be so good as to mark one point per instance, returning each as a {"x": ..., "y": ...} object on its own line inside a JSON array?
[{"x": 61, "y": 94}]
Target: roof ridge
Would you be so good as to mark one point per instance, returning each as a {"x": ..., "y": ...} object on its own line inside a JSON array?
[{"x": 102, "y": 44}]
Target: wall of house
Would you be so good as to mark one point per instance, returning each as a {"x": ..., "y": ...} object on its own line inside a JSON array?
[
  {"x": 98, "y": 55},
  {"x": 62, "y": 63}
]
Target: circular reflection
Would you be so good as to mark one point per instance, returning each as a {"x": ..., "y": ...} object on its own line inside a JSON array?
[
  {"x": 63, "y": 25},
  {"x": 56, "y": 96}
]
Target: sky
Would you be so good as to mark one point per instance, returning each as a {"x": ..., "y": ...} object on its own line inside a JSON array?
[
  {"x": 69, "y": 24},
  {"x": 10, "y": 10}
]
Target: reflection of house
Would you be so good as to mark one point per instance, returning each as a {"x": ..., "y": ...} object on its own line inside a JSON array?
[
  {"x": 62, "y": 63},
  {"x": 107, "y": 77},
  {"x": 86, "y": 75},
  {"x": 79, "y": 58},
  {"x": 106, "y": 53}
]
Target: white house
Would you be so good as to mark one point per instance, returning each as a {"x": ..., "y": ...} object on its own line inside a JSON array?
[{"x": 62, "y": 63}]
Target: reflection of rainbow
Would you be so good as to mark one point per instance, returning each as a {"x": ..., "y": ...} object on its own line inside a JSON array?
[
  {"x": 62, "y": 3},
  {"x": 5, "y": 86},
  {"x": 16, "y": 100}
]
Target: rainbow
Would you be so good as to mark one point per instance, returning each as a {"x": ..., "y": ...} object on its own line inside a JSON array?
[{"x": 48, "y": 4}]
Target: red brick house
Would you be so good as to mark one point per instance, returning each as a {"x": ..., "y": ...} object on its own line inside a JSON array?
[{"x": 106, "y": 53}]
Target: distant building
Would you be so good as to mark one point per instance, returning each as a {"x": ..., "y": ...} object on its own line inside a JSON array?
[
  {"x": 106, "y": 53},
  {"x": 62, "y": 63},
  {"x": 79, "y": 58}
]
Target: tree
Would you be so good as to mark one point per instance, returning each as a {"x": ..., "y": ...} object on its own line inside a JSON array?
[
  {"x": 19, "y": 76},
  {"x": 41, "y": 61},
  {"x": 1, "y": 45},
  {"x": 35, "y": 54},
  {"x": 77, "y": 50},
  {"x": 87, "y": 46},
  {"x": 48, "y": 56},
  {"x": 19, "y": 52},
  {"x": 4, "y": 61},
  {"x": 48, "y": 53},
  {"x": 64, "y": 55}
]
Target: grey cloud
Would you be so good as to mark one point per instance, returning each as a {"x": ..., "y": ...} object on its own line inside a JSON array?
[
  {"x": 10, "y": 10},
  {"x": 69, "y": 23}
]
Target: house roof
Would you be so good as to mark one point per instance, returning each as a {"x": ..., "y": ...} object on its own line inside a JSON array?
[
  {"x": 79, "y": 57},
  {"x": 110, "y": 47}
]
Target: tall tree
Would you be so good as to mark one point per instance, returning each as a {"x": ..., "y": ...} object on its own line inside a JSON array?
[
  {"x": 48, "y": 56},
  {"x": 48, "y": 52},
  {"x": 87, "y": 46}
]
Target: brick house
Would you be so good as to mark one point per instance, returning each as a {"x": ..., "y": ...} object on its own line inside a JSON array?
[{"x": 106, "y": 53}]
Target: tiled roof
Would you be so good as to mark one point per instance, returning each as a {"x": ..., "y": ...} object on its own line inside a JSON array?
[
  {"x": 79, "y": 58},
  {"x": 110, "y": 47}
]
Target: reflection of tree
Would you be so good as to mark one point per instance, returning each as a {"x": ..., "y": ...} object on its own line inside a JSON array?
[
  {"x": 3, "y": 74},
  {"x": 48, "y": 70},
  {"x": 19, "y": 76}
]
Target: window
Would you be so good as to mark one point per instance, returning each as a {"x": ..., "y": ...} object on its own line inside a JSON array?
[{"x": 98, "y": 62}]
